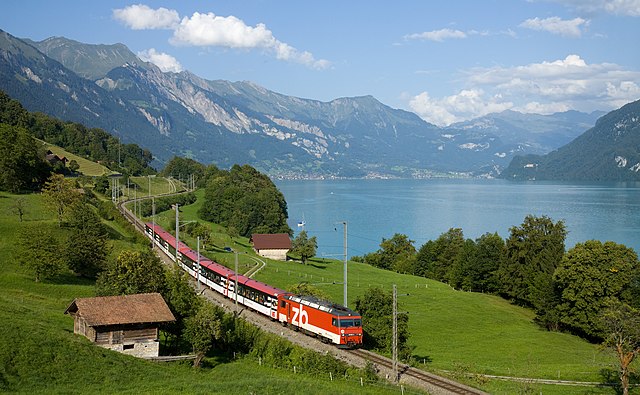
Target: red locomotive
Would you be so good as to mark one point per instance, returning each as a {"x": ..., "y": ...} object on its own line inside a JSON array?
[{"x": 330, "y": 322}]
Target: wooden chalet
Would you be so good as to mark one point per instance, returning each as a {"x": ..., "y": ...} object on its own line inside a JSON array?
[
  {"x": 272, "y": 246},
  {"x": 54, "y": 159},
  {"x": 125, "y": 323}
]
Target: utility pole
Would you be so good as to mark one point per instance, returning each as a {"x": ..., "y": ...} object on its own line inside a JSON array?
[
  {"x": 394, "y": 339},
  {"x": 177, "y": 229},
  {"x": 236, "y": 277},
  {"x": 198, "y": 267},
  {"x": 345, "y": 263},
  {"x": 153, "y": 220}
]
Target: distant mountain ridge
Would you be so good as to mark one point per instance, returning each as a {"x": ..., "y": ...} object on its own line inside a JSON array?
[
  {"x": 225, "y": 122},
  {"x": 608, "y": 151}
]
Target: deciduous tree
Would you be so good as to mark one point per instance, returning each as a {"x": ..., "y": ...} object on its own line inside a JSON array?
[
  {"x": 40, "y": 251},
  {"x": 22, "y": 165},
  {"x": 87, "y": 245},
  {"x": 132, "y": 272},
  {"x": 19, "y": 207},
  {"x": 395, "y": 253},
  {"x": 202, "y": 330},
  {"x": 621, "y": 324},
  {"x": 305, "y": 288},
  {"x": 59, "y": 193},
  {"x": 591, "y": 275},
  {"x": 437, "y": 258},
  {"x": 304, "y": 246},
  {"x": 376, "y": 308},
  {"x": 533, "y": 251}
]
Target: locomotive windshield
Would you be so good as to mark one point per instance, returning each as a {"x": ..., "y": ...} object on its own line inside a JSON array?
[{"x": 344, "y": 323}]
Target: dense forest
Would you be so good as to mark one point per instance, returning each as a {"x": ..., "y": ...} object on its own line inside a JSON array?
[
  {"x": 568, "y": 290},
  {"x": 245, "y": 201},
  {"x": 22, "y": 163}
]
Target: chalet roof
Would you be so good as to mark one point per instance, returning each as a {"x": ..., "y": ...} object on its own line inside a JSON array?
[
  {"x": 122, "y": 309},
  {"x": 277, "y": 241}
]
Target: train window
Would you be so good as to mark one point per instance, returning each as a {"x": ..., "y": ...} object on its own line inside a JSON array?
[
  {"x": 334, "y": 322},
  {"x": 283, "y": 304},
  {"x": 350, "y": 322}
]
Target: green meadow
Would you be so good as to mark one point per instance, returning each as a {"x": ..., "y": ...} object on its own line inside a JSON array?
[
  {"x": 40, "y": 354},
  {"x": 451, "y": 331}
]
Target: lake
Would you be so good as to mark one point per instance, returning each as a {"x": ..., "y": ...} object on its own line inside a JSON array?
[{"x": 424, "y": 209}]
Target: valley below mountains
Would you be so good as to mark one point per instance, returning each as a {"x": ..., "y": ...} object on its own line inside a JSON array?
[{"x": 223, "y": 122}]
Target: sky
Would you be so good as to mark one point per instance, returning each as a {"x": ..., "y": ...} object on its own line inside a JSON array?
[{"x": 446, "y": 61}]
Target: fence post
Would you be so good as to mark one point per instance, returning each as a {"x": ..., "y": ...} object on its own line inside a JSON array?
[
  {"x": 361, "y": 382},
  {"x": 331, "y": 376}
]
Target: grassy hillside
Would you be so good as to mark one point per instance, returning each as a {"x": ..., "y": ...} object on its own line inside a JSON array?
[
  {"x": 40, "y": 354},
  {"x": 87, "y": 167},
  {"x": 451, "y": 330}
]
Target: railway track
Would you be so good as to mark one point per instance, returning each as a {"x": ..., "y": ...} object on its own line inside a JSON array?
[{"x": 431, "y": 382}]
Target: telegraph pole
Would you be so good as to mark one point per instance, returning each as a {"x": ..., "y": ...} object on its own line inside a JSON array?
[
  {"x": 394, "y": 339},
  {"x": 198, "y": 267},
  {"x": 345, "y": 263},
  {"x": 153, "y": 221},
  {"x": 236, "y": 277},
  {"x": 177, "y": 229}
]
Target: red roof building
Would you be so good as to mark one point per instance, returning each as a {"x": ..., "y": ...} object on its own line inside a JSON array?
[{"x": 272, "y": 246}]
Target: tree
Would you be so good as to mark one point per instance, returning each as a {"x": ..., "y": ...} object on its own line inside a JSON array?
[
  {"x": 132, "y": 272},
  {"x": 621, "y": 324},
  {"x": 305, "y": 288},
  {"x": 87, "y": 245},
  {"x": 19, "y": 207},
  {"x": 488, "y": 254},
  {"x": 181, "y": 299},
  {"x": 533, "y": 251},
  {"x": 591, "y": 275},
  {"x": 245, "y": 199},
  {"x": 22, "y": 164},
  {"x": 59, "y": 193},
  {"x": 437, "y": 258},
  {"x": 73, "y": 165},
  {"x": 202, "y": 330},
  {"x": 40, "y": 251},
  {"x": 376, "y": 308},
  {"x": 397, "y": 252},
  {"x": 304, "y": 246}
]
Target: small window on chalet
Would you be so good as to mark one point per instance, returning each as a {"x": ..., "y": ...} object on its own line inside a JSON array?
[{"x": 128, "y": 347}]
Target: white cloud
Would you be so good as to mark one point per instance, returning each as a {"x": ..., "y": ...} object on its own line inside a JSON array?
[
  {"x": 555, "y": 25},
  {"x": 214, "y": 30},
  {"x": 140, "y": 16},
  {"x": 569, "y": 83},
  {"x": 437, "y": 35},
  {"x": 164, "y": 61},
  {"x": 466, "y": 104},
  {"x": 615, "y": 7}
]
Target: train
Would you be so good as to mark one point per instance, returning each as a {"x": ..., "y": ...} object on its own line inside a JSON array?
[{"x": 328, "y": 321}]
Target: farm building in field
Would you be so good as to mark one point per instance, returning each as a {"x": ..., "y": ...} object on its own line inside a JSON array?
[
  {"x": 272, "y": 246},
  {"x": 125, "y": 323},
  {"x": 54, "y": 159}
]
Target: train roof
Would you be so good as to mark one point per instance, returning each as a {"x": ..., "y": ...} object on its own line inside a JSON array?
[
  {"x": 323, "y": 305},
  {"x": 260, "y": 286}
]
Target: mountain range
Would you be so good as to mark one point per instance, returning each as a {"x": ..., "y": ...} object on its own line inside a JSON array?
[
  {"x": 224, "y": 123},
  {"x": 610, "y": 151}
]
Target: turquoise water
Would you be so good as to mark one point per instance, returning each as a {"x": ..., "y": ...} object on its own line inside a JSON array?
[{"x": 424, "y": 209}]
